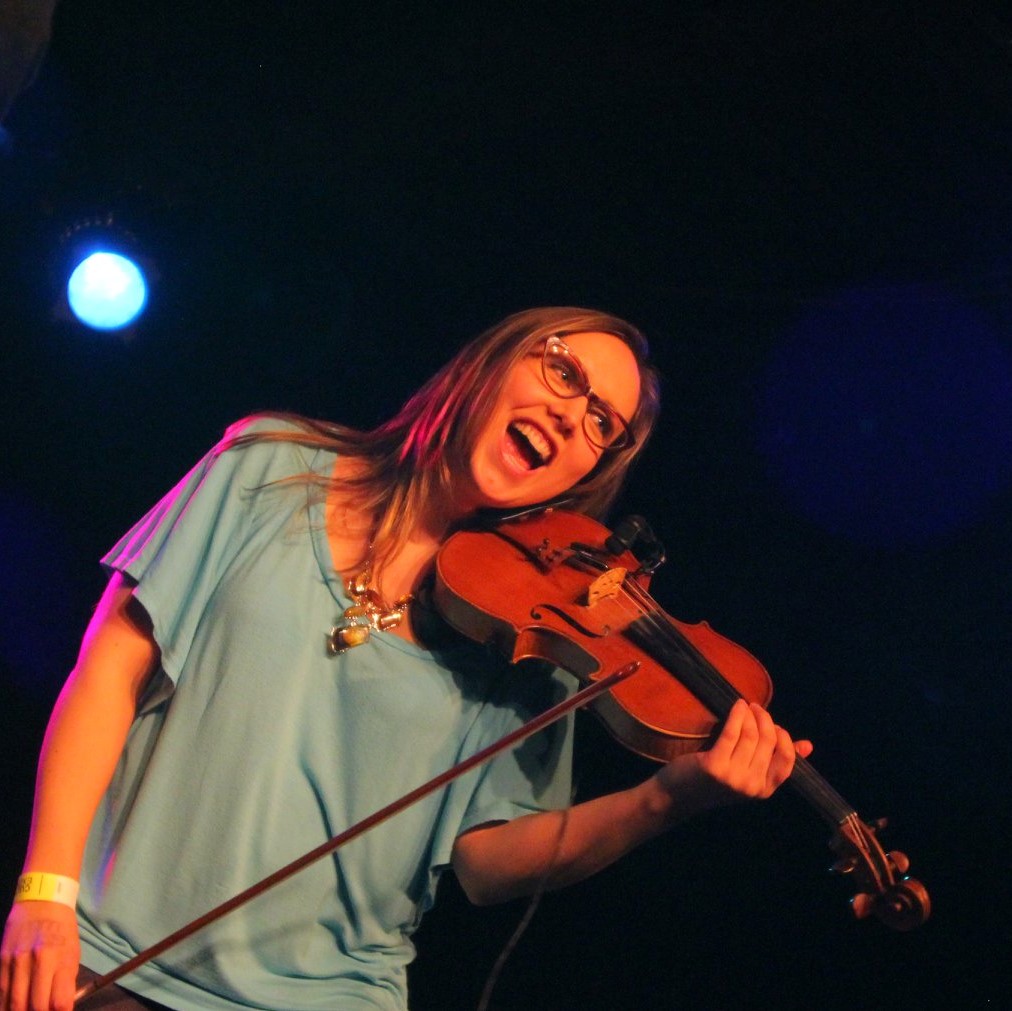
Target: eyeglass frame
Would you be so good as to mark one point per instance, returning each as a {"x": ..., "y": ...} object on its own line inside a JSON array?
[{"x": 625, "y": 439}]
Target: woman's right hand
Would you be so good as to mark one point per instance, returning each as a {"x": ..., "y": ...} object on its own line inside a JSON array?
[{"x": 39, "y": 958}]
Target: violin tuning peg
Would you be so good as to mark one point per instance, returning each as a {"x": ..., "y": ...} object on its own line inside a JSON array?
[
  {"x": 843, "y": 866},
  {"x": 862, "y": 904},
  {"x": 899, "y": 861}
]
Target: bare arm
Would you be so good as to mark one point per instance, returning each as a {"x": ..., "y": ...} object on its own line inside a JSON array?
[
  {"x": 83, "y": 742},
  {"x": 750, "y": 758}
]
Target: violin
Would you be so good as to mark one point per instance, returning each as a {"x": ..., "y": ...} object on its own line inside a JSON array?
[{"x": 560, "y": 587}]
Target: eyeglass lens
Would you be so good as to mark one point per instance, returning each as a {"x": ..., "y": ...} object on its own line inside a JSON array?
[{"x": 566, "y": 377}]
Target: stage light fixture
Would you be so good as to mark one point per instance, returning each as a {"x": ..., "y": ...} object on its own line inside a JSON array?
[
  {"x": 104, "y": 279},
  {"x": 107, "y": 291}
]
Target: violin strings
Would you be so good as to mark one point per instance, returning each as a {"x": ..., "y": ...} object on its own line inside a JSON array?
[
  {"x": 858, "y": 835},
  {"x": 805, "y": 779},
  {"x": 659, "y": 634},
  {"x": 714, "y": 688}
]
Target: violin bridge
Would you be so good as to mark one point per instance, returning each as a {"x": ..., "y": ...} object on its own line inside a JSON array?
[{"x": 606, "y": 586}]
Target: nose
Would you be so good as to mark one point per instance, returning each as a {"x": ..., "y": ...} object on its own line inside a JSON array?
[{"x": 569, "y": 413}]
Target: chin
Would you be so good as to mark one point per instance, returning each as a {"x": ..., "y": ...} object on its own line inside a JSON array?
[
  {"x": 519, "y": 499},
  {"x": 499, "y": 484}
]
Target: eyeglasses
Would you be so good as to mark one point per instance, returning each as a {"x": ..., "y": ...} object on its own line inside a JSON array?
[{"x": 566, "y": 377}]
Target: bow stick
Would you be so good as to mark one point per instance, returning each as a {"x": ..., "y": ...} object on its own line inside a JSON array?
[{"x": 548, "y": 717}]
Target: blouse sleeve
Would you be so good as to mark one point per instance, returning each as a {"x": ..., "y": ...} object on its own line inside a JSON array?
[
  {"x": 535, "y": 775},
  {"x": 179, "y": 550}
]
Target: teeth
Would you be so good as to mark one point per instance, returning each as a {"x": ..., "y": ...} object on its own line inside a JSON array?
[{"x": 535, "y": 438}]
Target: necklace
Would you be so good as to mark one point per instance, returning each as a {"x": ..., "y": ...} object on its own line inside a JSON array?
[{"x": 369, "y": 613}]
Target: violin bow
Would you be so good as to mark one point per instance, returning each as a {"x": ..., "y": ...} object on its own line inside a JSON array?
[{"x": 549, "y": 716}]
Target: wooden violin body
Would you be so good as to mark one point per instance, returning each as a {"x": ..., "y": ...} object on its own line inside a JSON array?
[
  {"x": 550, "y": 586},
  {"x": 535, "y": 594}
]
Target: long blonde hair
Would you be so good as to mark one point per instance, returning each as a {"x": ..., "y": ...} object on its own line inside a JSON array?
[{"x": 406, "y": 461}]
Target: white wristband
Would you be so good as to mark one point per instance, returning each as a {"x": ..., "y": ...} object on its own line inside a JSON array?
[{"x": 39, "y": 886}]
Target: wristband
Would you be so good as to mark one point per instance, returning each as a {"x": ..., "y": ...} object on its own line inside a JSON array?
[{"x": 38, "y": 886}]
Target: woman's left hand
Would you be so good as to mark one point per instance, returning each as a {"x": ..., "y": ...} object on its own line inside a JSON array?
[{"x": 751, "y": 757}]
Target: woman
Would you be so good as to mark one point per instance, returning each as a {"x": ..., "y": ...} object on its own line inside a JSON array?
[{"x": 249, "y": 686}]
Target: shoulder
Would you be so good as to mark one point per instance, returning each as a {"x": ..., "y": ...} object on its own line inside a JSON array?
[
  {"x": 260, "y": 427},
  {"x": 265, "y": 448}
]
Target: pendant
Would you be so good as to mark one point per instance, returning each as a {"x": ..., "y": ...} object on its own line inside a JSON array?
[
  {"x": 344, "y": 637},
  {"x": 369, "y": 613}
]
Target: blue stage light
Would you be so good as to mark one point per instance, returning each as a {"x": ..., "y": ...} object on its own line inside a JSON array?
[{"x": 106, "y": 291}]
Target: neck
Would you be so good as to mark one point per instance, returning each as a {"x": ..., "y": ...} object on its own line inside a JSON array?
[
  {"x": 438, "y": 516},
  {"x": 403, "y": 572},
  {"x": 351, "y": 531}
]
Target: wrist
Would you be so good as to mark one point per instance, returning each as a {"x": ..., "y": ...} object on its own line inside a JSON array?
[
  {"x": 40, "y": 886},
  {"x": 688, "y": 789},
  {"x": 657, "y": 808}
]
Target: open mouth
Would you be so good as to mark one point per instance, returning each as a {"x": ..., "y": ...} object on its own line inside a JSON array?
[{"x": 530, "y": 443}]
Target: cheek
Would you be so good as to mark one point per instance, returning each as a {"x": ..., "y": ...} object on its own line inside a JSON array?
[
  {"x": 593, "y": 467},
  {"x": 581, "y": 464},
  {"x": 523, "y": 386}
]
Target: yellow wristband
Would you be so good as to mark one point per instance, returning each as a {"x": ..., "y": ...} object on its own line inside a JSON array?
[{"x": 38, "y": 886}]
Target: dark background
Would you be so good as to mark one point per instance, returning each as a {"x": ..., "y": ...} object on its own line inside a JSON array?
[{"x": 806, "y": 207}]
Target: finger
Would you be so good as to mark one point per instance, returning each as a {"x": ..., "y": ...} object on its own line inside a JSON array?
[
  {"x": 782, "y": 760},
  {"x": 64, "y": 987},
  {"x": 804, "y": 748},
  {"x": 5, "y": 979},
  {"x": 755, "y": 742},
  {"x": 41, "y": 989},
  {"x": 765, "y": 740},
  {"x": 18, "y": 980},
  {"x": 731, "y": 731}
]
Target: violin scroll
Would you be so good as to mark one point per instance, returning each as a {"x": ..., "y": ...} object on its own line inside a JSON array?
[{"x": 885, "y": 890}]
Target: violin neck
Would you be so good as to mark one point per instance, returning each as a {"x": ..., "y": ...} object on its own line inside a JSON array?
[
  {"x": 817, "y": 791},
  {"x": 666, "y": 644}
]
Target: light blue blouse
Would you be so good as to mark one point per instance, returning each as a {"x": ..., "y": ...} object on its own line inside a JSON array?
[{"x": 254, "y": 746}]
